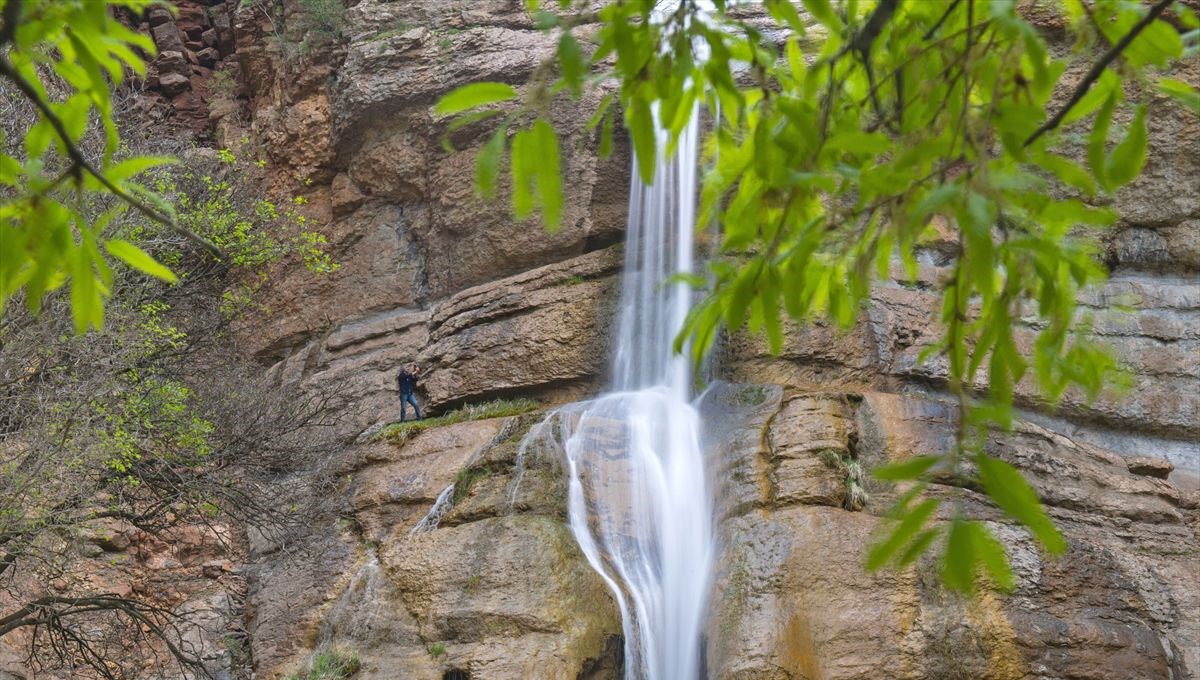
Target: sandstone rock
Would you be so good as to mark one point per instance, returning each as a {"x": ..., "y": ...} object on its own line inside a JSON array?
[
  {"x": 1150, "y": 467},
  {"x": 508, "y": 597},
  {"x": 792, "y": 599},
  {"x": 494, "y": 307},
  {"x": 542, "y": 329},
  {"x": 225, "y": 34},
  {"x": 208, "y": 57},
  {"x": 345, "y": 196},
  {"x": 808, "y": 441},
  {"x": 381, "y": 271},
  {"x": 394, "y": 493}
]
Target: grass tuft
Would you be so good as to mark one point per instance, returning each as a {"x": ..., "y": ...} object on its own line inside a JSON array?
[
  {"x": 399, "y": 433},
  {"x": 466, "y": 479},
  {"x": 334, "y": 664}
]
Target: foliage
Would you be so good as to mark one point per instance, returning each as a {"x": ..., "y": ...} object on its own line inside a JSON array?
[
  {"x": 836, "y": 150},
  {"x": 49, "y": 232},
  {"x": 399, "y": 433},
  {"x": 146, "y": 420},
  {"x": 437, "y": 650},
  {"x": 218, "y": 201},
  {"x": 222, "y": 83},
  {"x": 465, "y": 480},
  {"x": 322, "y": 21},
  {"x": 334, "y": 664}
]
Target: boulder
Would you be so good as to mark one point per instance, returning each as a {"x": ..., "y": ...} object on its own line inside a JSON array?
[
  {"x": 167, "y": 38},
  {"x": 172, "y": 84},
  {"x": 208, "y": 57}
]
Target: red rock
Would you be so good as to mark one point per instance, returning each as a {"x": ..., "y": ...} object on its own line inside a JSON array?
[{"x": 167, "y": 38}]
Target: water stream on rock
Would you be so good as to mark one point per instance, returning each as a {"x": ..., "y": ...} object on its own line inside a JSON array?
[{"x": 638, "y": 501}]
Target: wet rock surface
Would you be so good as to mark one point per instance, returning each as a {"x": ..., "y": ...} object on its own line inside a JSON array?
[{"x": 497, "y": 588}]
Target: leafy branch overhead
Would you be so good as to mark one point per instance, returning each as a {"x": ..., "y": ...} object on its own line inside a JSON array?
[
  {"x": 47, "y": 238},
  {"x": 845, "y": 133}
]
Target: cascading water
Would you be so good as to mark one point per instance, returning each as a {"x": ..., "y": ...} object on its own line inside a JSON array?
[{"x": 638, "y": 501}]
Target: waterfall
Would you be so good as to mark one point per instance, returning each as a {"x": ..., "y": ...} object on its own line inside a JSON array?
[{"x": 638, "y": 502}]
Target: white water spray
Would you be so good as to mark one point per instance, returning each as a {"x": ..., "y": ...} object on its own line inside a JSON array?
[{"x": 638, "y": 501}]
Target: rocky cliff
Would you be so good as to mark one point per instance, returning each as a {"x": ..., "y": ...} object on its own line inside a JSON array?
[{"x": 495, "y": 587}]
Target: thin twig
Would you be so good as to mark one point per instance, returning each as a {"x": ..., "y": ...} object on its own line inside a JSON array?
[
  {"x": 941, "y": 20},
  {"x": 1098, "y": 68}
]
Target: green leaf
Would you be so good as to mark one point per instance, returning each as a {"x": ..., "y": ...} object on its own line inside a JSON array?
[
  {"x": 1098, "y": 140},
  {"x": 570, "y": 59},
  {"x": 796, "y": 59},
  {"x": 87, "y": 307},
  {"x": 910, "y": 468},
  {"x": 1181, "y": 92},
  {"x": 549, "y": 175},
  {"x": 132, "y": 167},
  {"x": 1068, "y": 172},
  {"x": 784, "y": 10},
  {"x": 1008, "y": 488},
  {"x": 919, "y": 545},
  {"x": 524, "y": 157},
  {"x": 1129, "y": 155},
  {"x": 958, "y": 561},
  {"x": 993, "y": 556},
  {"x": 640, "y": 121},
  {"x": 1096, "y": 95},
  {"x": 823, "y": 12},
  {"x": 911, "y": 523},
  {"x": 473, "y": 95},
  {"x": 487, "y": 163},
  {"x": 606, "y": 136},
  {"x": 138, "y": 259}
]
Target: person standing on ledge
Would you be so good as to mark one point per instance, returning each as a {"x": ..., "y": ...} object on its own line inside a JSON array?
[{"x": 407, "y": 381}]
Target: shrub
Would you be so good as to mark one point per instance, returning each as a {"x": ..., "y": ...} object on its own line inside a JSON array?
[
  {"x": 333, "y": 664},
  {"x": 322, "y": 20}
]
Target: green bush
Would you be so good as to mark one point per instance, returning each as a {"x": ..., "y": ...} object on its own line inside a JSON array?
[
  {"x": 334, "y": 664},
  {"x": 322, "y": 20}
]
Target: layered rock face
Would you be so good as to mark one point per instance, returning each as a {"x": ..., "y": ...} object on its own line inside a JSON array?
[
  {"x": 793, "y": 601},
  {"x": 494, "y": 308},
  {"x": 353, "y": 123}
]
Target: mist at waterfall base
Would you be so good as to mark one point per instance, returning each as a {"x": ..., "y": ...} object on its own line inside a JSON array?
[{"x": 638, "y": 499}]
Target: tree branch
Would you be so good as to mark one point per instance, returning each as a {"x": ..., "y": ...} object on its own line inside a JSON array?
[
  {"x": 1098, "y": 68},
  {"x": 941, "y": 20},
  {"x": 12, "y": 18},
  {"x": 865, "y": 37},
  {"x": 77, "y": 158}
]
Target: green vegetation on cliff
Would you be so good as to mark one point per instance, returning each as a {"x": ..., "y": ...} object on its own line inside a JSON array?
[{"x": 398, "y": 433}]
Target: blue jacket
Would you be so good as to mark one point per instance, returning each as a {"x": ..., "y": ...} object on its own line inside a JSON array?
[{"x": 407, "y": 382}]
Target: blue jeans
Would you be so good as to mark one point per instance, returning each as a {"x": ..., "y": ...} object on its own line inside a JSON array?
[{"x": 408, "y": 398}]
